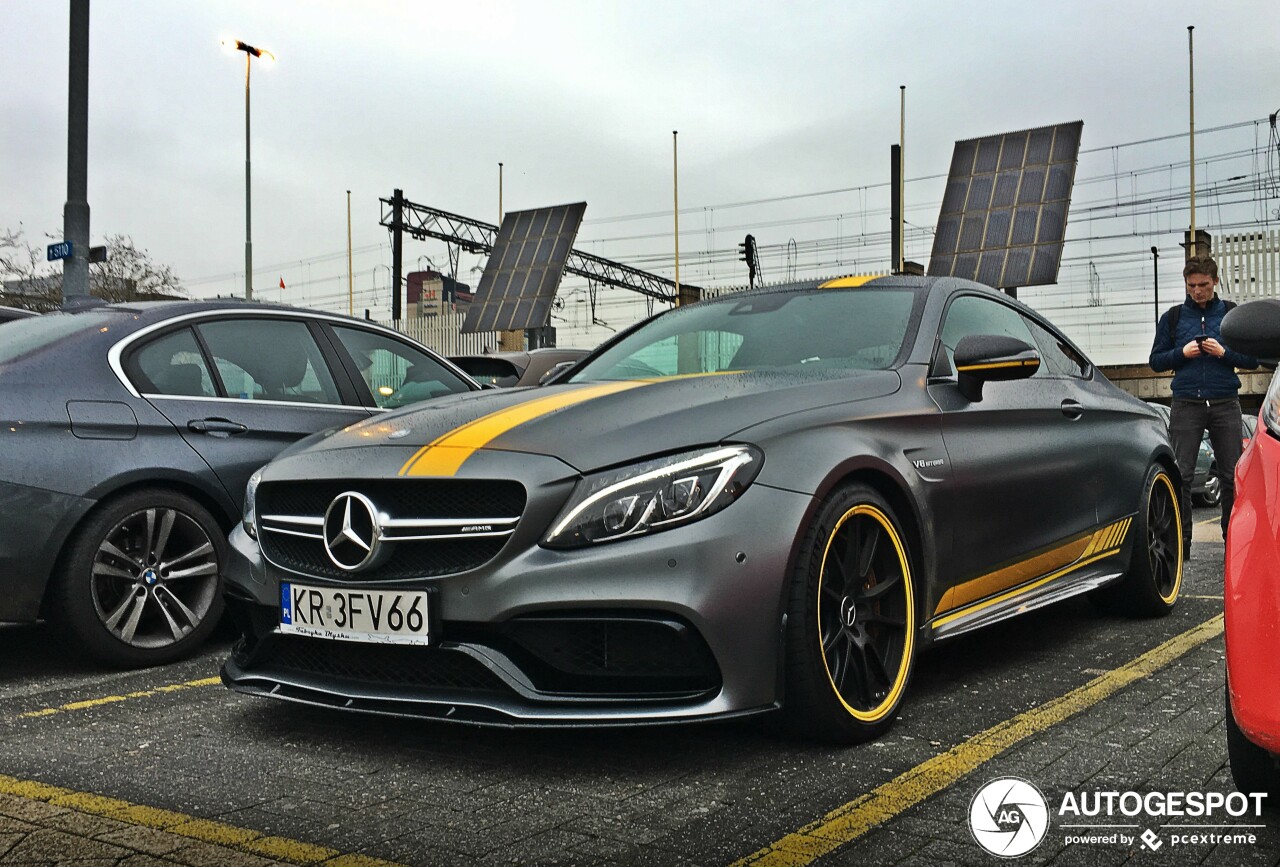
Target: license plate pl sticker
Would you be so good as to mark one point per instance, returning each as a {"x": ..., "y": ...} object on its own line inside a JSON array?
[{"x": 377, "y": 616}]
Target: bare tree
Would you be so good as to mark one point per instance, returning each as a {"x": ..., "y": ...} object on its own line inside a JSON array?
[
  {"x": 24, "y": 281},
  {"x": 128, "y": 274}
]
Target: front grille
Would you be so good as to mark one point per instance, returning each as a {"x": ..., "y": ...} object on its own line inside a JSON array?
[
  {"x": 375, "y": 664},
  {"x": 460, "y": 500},
  {"x": 408, "y": 560},
  {"x": 400, "y": 498}
]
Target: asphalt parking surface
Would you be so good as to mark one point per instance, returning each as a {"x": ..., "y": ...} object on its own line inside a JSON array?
[{"x": 165, "y": 766}]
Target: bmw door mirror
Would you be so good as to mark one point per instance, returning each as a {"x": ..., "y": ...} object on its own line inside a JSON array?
[
  {"x": 556, "y": 370},
  {"x": 982, "y": 358},
  {"x": 1254, "y": 329}
]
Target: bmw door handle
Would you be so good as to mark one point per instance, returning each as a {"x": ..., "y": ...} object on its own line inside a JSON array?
[
  {"x": 217, "y": 427},
  {"x": 1072, "y": 409}
]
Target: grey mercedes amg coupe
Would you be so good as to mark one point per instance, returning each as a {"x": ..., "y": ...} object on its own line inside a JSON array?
[{"x": 768, "y": 501}]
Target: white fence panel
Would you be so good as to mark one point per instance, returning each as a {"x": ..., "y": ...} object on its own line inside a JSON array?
[{"x": 443, "y": 333}]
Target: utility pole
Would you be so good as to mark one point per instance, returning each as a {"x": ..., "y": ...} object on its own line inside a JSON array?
[
  {"x": 350, "y": 274},
  {"x": 397, "y": 250},
  {"x": 75, "y": 213},
  {"x": 1155, "y": 279}
]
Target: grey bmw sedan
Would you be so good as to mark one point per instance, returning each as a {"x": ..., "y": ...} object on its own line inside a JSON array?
[{"x": 127, "y": 433}]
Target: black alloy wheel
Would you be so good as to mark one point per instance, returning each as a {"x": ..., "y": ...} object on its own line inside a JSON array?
[
  {"x": 143, "y": 579},
  {"x": 852, "y": 621},
  {"x": 1150, "y": 588},
  {"x": 1212, "y": 494}
]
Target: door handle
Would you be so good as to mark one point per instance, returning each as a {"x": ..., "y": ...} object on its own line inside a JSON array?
[
  {"x": 1072, "y": 409},
  {"x": 217, "y": 427}
]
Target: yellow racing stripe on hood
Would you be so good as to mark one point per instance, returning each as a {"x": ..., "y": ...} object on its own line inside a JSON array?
[{"x": 446, "y": 454}]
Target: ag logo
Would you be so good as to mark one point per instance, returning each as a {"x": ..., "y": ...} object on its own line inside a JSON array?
[{"x": 1008, "y": 817}]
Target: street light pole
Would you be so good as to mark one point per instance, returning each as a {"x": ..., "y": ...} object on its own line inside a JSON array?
[
  {"x": 248, "y": 189},
  {"x": 250, "y": 52}
]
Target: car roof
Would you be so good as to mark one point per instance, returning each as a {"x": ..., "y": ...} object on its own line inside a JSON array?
[{"x": 9, "y": 313}]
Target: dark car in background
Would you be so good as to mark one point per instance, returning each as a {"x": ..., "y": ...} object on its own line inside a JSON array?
[
  {"x": 805, "y": 486},
  {"x": 127, "y": 433},
  {"x": 11, "y": 314},
  {"x": 1206, "y": 484},
  {"x": 510, "y": 369}
]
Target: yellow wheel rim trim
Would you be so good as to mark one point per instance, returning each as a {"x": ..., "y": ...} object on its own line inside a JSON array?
[
  {"x": 900, "y": 678},
  {"x": 1177, "y": 519}
]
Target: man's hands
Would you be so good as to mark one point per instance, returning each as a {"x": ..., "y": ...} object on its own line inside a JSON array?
[{"x": 1208, "y": 346}]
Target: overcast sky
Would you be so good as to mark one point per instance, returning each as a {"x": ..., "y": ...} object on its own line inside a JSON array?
[{"x": 578, "y": 100}]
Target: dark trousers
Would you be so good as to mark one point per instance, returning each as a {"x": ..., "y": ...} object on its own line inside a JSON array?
[{"x": 1187, "y": 423}]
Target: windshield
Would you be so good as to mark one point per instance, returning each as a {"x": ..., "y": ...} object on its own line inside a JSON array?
[
  {"x": 36, "y": 332},
  {"x": 855, "y": 329}
]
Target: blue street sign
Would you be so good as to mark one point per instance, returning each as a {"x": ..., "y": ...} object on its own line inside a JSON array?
[{"x": 60, "y": 250}]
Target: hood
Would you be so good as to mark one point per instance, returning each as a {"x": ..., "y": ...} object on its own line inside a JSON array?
[{"x": 595, "y": 425}]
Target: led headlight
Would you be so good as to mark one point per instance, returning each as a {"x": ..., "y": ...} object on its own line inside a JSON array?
[
  {"x": 1271, "y": 406},
  {"x": 654, "y": 495},
  {"x": 248, "y": 520}
]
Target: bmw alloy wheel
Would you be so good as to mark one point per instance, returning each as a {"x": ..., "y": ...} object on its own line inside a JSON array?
[{"x": 142, "y": 583}]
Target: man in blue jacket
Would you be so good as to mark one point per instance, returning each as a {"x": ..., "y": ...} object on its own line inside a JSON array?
[{"x": 1206, "y": 390}]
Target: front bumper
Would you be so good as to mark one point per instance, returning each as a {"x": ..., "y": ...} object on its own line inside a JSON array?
[
  {"x": 680, "y": 625},
  {"x": 1252, "y": 594}
]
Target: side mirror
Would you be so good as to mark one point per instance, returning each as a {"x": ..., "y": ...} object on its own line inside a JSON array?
[
  {"x": 983, "y": 358},
  {"x": 555, "y": 370},
  {"x": 1254, "y": 329}
]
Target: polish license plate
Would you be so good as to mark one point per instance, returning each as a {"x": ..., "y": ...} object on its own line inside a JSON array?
[{"x": 343, "y": 614}]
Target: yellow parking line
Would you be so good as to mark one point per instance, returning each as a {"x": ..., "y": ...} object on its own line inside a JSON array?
[
  {"x": 849, "y": 822},
  {"x": 202, "y": 830},
  {"x": 112, "y": 699}
]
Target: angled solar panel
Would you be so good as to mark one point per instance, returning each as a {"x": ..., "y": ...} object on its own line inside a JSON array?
[
  {"x": 1004, "y": 212},
  {"x": 520, "y": 279}
]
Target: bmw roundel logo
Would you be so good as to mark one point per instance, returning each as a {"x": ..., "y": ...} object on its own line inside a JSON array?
[
  {"x": 352, "y": 534},
  {"x": 1008, "y": 817}
]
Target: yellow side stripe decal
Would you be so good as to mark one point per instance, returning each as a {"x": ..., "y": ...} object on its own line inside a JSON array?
[
  {"x": 849, "y": 822},
  {"x": 182, "y": 825},
  {"x": 973, "y": 591},
  {"x": 446, "y": 454}
]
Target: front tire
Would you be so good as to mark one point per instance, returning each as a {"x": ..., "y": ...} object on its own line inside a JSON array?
[
  {"x": 851, "y": 621},
  {"x": 1253, "y": 768},
  {"x": 142, "y": 581},
  {"x": 1150, "y": 588}
]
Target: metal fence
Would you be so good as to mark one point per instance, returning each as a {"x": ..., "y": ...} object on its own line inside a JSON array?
[
  {"x": 1248, "y": 265},
  {"x": 443, "y": 333}
]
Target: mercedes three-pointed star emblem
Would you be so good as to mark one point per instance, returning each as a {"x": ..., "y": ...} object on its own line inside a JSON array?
[{"x": 352, "y": 533}]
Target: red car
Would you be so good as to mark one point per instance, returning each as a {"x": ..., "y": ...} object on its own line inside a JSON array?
[{"x": 1252, "y": 596}]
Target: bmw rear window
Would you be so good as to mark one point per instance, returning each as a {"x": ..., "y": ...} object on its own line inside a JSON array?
[{"x": 25, "y": 336}]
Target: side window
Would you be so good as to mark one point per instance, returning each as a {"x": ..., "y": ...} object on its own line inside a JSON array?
[
  {"x": 396, "y": 373},
  {"x": 173, "y": 365},
  {"x": 973, "y": 314},
  {"x": 269, "y": 359},
  {"x": 1060, "y": 357}
]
